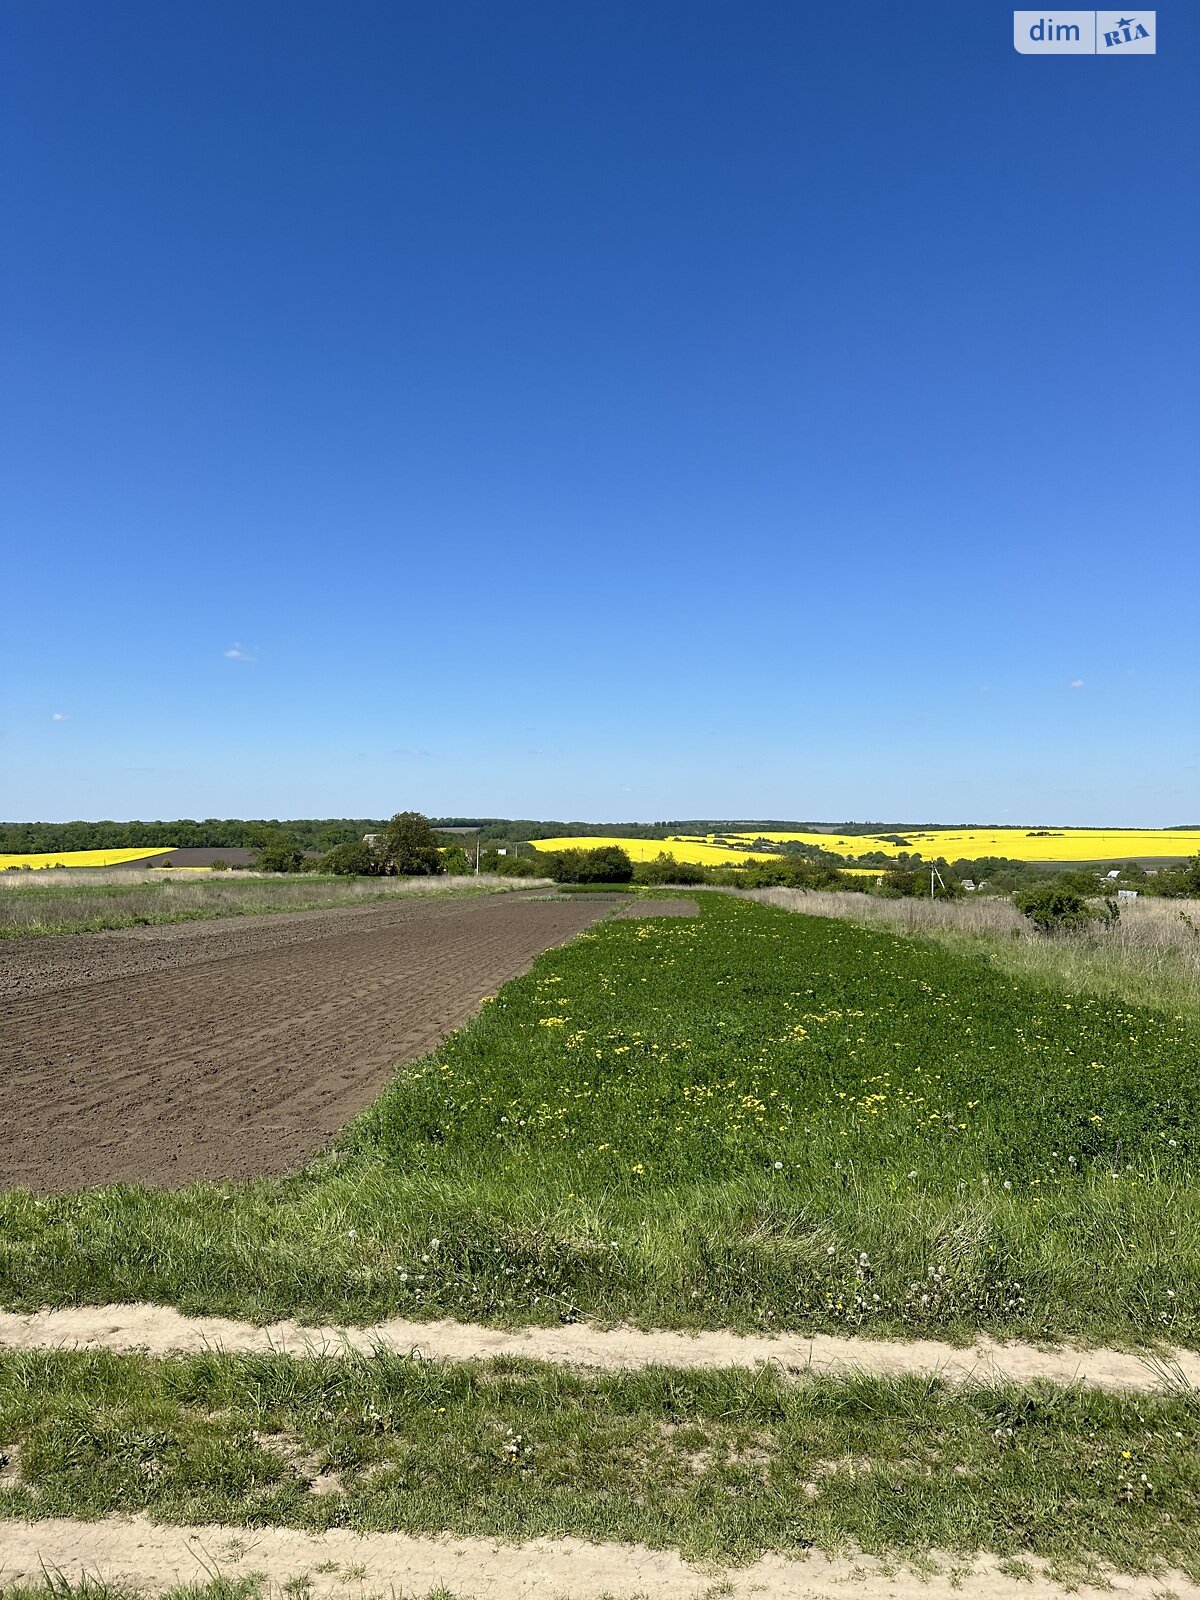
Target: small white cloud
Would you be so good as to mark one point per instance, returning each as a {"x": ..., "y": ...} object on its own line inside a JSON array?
[
  {"x": 60, "y": 716},
  {"x": 238, "y": 652},
  {"x": 1077, "y": 683},
  {"x": 413, "y": 750}
]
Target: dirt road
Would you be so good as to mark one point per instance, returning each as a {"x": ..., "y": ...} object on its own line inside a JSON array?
[{"x": 231, "y": 1049}]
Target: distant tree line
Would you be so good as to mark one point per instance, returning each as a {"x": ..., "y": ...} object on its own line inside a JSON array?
[{"x": 221, "y": 833}]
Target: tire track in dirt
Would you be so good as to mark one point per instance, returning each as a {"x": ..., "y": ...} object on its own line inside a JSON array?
[
  {"x": 226, "y": 1052},
  {"x": 146, "y": 1556},
  {"x": 163, "y": 1331}
]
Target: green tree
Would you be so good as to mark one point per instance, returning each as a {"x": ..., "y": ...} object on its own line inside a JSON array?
[
  {"x": 608, "y": 864},
  {"x": 353, "y": 860},
  {"x": 277, "y": 852},
  {"x": 409, "y": 846},
  {"x": 455, "y": 860},
  {"x": 1053, "y": 908},
  {"x": 665, "y": 869}
]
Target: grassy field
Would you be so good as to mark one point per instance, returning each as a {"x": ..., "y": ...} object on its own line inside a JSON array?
[
  {"x": 1151, "y": 957},
  {"x": 71, "y": 901},
  {"x": 720, "y": 1465},
  {"x": 748, "y": 1119}
]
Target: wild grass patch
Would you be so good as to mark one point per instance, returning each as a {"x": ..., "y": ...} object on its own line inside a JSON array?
[
  {"x": 720, "y": 1465},
  {"x": 94, "y": 901}
]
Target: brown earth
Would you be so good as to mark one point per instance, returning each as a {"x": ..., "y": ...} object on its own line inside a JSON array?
[
  {"x": 230, "y": 1049},
  {"x": 144, "y": 1557}
]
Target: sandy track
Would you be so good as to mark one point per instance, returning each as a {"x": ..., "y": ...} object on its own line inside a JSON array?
[
  {"x": 153, "y": 1558},
  {"x": 235, "y": 1048},
  {"x": 161, "y": 1331}
]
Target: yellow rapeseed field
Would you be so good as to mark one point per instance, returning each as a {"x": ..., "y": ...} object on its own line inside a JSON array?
[
  {"x": 694, "y": 850},
  {"x": 1018, "y": 844},
  {"x": 705, "y": 855},
  {"x": 82, "y": 858}
]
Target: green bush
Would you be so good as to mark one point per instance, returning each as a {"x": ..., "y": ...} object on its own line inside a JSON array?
[
  {"x": 665, "y": 869},
  {"x": 511, "y": 866},
  {"x": 353, "y": 860},
  {"x": 608, "y": 864},
  {"x": 1178, "y": 883},
  {"x": 1053, "y": 907},
  {"x": 280, "y": 855},
  {"x": 456, "y": 861}
]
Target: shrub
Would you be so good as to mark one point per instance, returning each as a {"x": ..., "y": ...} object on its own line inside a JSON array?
[
  {"x": 456, "y": 860},
  {"x": 218, "y": 866},
  {"x": 608, "y": 864},
  {"x": 665, "y": 869},
  {"x": 280, "y": 855},
  {"x": 1176, "y": 882},
  {"x": 1053, "y": 907},
  {"x": 901, "y": 884},
  {"x": 519, "y": 867},
  {"x": 353, "y": 860}
]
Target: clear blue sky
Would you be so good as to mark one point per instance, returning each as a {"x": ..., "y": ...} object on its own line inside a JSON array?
[{"x": 604, "y": 410}]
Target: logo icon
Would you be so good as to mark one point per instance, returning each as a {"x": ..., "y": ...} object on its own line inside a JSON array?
[
  {"x": 1120, "y": 34},
  {"x": 1084, "y": 33}
]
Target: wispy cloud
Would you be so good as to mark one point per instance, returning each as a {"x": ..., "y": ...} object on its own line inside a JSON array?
[
  {"x": 238, "y": 652},
  {"x": 60, "y": 716},
  {"x": 1077, "y": 683},
  {"x": 410, "y": 750}
]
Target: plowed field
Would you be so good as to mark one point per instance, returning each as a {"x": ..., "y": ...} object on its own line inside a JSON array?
[{"x": 218, "y": 1050}]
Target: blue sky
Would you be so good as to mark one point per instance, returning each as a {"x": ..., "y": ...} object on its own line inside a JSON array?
[{"x": 602, "y": 410}]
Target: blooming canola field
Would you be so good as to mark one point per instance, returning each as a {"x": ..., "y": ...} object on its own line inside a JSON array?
[
  {"x": 82, "y": 858},
  {"x": 1017, "y": 844}
]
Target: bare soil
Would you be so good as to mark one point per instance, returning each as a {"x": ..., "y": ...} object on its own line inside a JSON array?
[
  {"x": 231, "y": 1049},
  {"x": 162, "y": 1331},
  {"x": 150, "y": 1558}
]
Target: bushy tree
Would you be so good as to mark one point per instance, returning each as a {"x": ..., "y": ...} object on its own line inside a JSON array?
[
  {"x": 353, "y": 860},
  {"x": 665, "y": 869},
  {"x": 455, "y": 860},
  {"x": 1053, "y": 907},
  {"x": 513, "y": 866},
  {"x": 1181, "y": 883},
  {"x": 409, "y": 846},
  {"x": 278, "y": 853},
  {"x": 608, "y": 864}
]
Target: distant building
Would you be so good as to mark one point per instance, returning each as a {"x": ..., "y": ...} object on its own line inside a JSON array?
[
  {"x": 969, "y": 885},
  {"x": 1127, "y": 894},
  {"x": 1115, "y": 873}
]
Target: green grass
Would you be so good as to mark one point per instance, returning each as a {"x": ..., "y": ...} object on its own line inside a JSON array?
[
  {"x": 747, "y": 1118},
  {"x": 255, "y": 1586},
  {"x": 56, "y": 1586},
  {"x": 79, "y": 901},
  {"x": 720, "y": 1465}
]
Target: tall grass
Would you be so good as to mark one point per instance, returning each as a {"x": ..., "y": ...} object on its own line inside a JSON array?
[
  {"x": 89, "y": 900},
  {"x": 1151, "y": 957}
]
